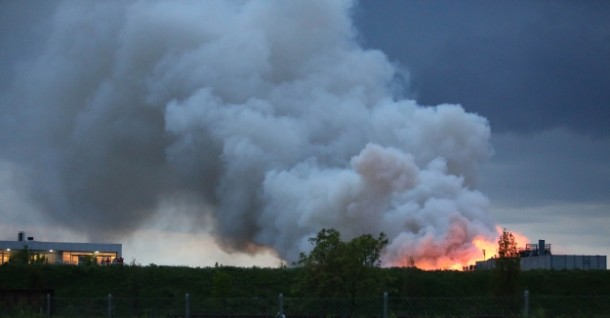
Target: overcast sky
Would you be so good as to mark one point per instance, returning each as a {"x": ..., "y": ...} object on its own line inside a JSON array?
[{"x": 539, "y": 72}]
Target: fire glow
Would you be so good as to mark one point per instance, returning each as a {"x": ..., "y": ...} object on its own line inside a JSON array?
[{"x": 481, "y": 248}]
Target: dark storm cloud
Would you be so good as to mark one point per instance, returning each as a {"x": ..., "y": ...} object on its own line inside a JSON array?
[
  {"x": 550, "y": 168},
  {"x": 526, "y": 66},
  {"x": 23, "y": 28}
]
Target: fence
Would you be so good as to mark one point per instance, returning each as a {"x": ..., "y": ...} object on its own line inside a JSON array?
[{"x": 524, "y": 305}]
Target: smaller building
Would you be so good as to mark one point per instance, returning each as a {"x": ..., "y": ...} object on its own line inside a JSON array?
[
  {"x": 560, "y": 262},
  {"x": 539, "y": 256},
  {"x": 62, "y": 252}
]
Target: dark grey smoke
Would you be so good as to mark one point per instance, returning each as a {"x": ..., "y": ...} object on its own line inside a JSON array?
[{"x": 266, "y": 116}]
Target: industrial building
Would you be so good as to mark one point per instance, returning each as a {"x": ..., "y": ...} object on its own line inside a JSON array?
[
  {"x": 62, "y": 252},
  {"x": 539, "y": 256}
]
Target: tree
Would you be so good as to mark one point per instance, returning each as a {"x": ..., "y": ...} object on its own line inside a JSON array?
[
  {"x": 323, "y": 266},
  {"x": 362, "y": 268},
  {"x": 507, "y": 247},
  {"x": 507, "y": 265},
  {"x": 328, "y": 249},
  {"x": 366, "y": 250},
  {"x": 221, "y": 284},
  {"x": 343, "y": 269},
  {"x": 25, "y": 257},
  {"x": 87, "y": 260}
]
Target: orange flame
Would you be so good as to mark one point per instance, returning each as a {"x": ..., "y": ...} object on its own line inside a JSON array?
[{"x": 481, "y": 248}]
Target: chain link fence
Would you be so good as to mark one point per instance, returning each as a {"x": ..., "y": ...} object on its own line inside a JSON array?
[{"x": 525, "y": 305}]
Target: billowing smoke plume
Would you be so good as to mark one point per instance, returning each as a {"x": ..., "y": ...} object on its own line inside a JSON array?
[{"x": 268, "y": 117}]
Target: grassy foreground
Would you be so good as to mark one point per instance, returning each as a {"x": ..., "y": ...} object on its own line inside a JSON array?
[
  {"x": 159, "y": 291},
  {"x": 163, "y": 281}
]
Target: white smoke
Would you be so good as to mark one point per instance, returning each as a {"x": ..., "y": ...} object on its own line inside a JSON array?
[{"x": 268, "y": 116}]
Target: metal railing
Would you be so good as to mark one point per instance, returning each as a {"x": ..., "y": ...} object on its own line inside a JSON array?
[{"x": 384, "y": 306}]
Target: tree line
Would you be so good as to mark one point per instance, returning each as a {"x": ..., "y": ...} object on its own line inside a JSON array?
[{"x": 335, "y": 268}]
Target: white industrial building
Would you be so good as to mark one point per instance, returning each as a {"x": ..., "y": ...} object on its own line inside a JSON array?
[
  {"x": 62, "y": 252},
  {"x": 539, "y": 256}
]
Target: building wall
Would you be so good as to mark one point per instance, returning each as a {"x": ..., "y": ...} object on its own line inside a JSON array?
[
  {"x": 560, "y": 262},
  {"x": 63, "y": 252},
  {"x": 554, "y": 262}
]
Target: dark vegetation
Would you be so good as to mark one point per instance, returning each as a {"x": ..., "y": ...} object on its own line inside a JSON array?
[
  {"x": 333, "y": 269},
  {"x": 344, "y": 271},
  {"x": 165, "y": 281},
  {"x": 338, "y": 269},
  {"x": 507, "y": 271}
]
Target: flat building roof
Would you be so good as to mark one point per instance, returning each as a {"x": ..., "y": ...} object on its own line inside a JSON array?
[{"x": 62, "y": 246}]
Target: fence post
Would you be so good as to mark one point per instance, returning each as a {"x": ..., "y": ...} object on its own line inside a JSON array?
[
  {"x": 48, "y": 305},
  {"x": 385, "y": 305},
  {"x": 526, "y": 303},
  {"x": 109, "y": 305},
  {"x": 187, "y": 305},
  {"x": 280, "y": 302}
]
